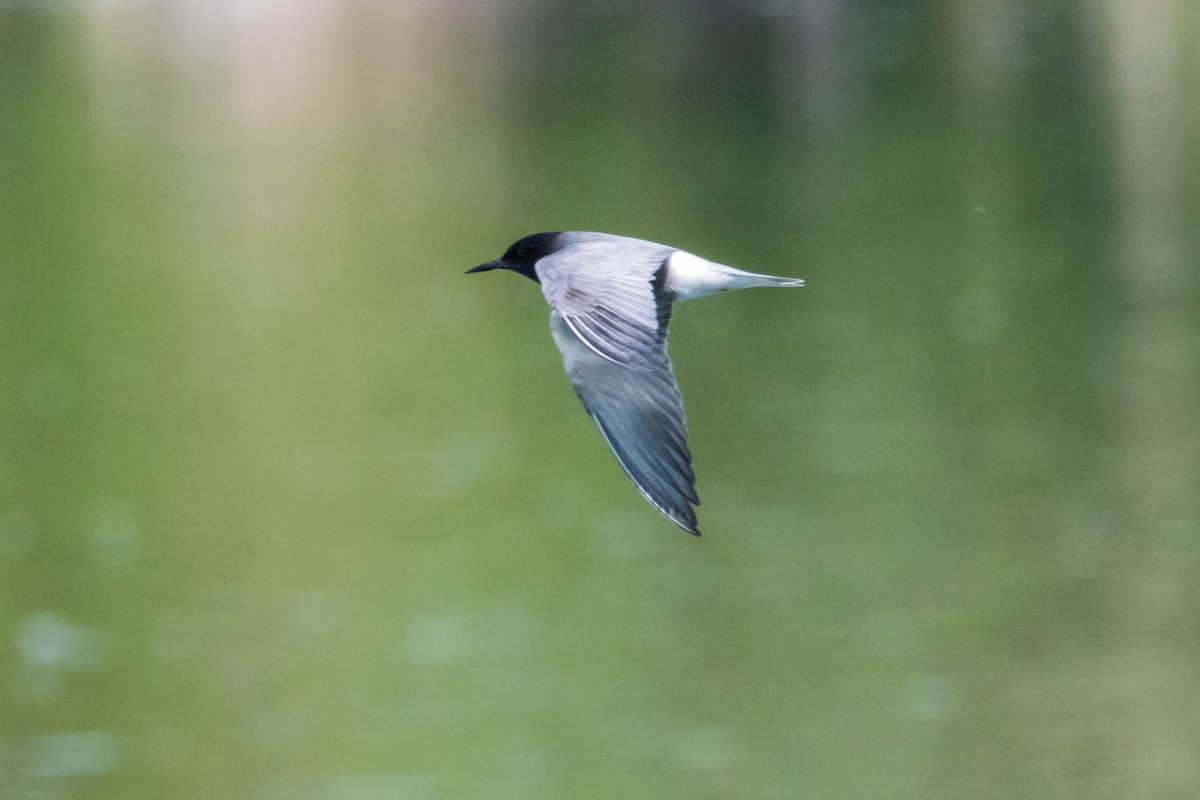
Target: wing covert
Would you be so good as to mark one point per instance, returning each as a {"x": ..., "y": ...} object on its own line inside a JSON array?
[{"x": 620, "y": 314}]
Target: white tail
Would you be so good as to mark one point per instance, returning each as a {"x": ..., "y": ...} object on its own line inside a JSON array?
[{"x": 690, "y": 276}]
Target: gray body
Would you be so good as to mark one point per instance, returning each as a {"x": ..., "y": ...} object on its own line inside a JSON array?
[{"x": 611, "y": 299}]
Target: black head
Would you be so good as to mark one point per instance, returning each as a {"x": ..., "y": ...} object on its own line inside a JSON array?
[{"x": 523, "y": 254}]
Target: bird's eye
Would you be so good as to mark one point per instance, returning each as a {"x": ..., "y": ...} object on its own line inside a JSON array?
[{"x": 521, "y": 253}]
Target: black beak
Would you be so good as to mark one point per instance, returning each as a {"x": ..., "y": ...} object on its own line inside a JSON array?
[{"x": 485, "y": 267}]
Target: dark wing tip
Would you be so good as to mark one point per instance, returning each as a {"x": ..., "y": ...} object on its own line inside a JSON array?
[{"x": 684, "y": 515}]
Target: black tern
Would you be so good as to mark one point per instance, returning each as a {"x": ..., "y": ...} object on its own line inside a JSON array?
[{"x": 611, "y": 299}]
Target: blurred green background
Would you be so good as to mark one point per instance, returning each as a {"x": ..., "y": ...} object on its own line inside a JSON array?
[{"x": 290, "y": 508}]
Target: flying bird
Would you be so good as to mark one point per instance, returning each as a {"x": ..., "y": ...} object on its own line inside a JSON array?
[{"x": 610, "y": 299}]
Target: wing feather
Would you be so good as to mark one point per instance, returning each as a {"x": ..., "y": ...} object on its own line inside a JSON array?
[
  {"x": 608, "y": 293},
  {"x": 639, "y": 411}
]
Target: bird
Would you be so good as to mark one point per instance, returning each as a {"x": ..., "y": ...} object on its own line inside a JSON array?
[{"x": 611, "y": 299}]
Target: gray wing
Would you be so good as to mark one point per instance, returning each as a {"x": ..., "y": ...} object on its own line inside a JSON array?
[
  {"x": 640, "y": 414},
  {"x": 609, "y": 293}
]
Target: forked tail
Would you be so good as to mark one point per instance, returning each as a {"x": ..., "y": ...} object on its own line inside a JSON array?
[
  {"x": 748, "y": 280},
  {"x": 771, "y": 280}
]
